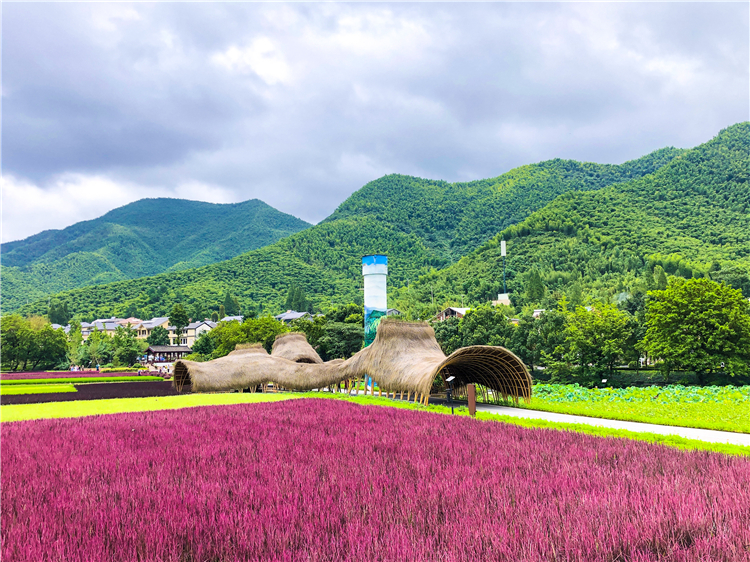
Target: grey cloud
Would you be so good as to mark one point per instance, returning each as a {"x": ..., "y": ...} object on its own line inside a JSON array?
[{"x": 446, "y": 91}]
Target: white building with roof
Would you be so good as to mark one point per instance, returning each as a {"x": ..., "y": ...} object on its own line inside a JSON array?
[{"x": 291, "y": 315}]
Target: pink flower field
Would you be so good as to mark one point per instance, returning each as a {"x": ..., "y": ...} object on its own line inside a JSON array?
[{"x": 320, "y": 479}]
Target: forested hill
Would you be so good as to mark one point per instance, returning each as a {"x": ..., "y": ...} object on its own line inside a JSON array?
[
  {"x": 419, "y": 223},
  {"x": 455, "y": 218},
  {"x": 691, "y": 217},
  {"x": 146, "y": 237}
]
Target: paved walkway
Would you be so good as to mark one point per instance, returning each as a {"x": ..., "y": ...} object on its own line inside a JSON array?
[
  {"x": 709, "y": 435},
  {"x": 688, "y": 432}
]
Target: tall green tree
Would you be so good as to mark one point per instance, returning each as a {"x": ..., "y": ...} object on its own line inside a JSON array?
[
  {"x": 198, "y": 311},
  {"x": 597, "y": 337},
  {"x": 448, "y": 334},
  {"x": 341, "y": 340},
  {"x": 296, "y": 299},
  {"x": 75, "y": 341},
  {"x": 16, "y": 338},
  {"x": 231, "y": 305},
  {"x": 700, "y": 325},
  {"x": 179, "y": 319},
  {"x": 485, "y": 325},
  {"x": 59, "y": 313},
  {"x": 660, "y": 278},
  {"x": 534, "y": 286},
  {"x": 158, "y": 336},
  {"x": 99, "y": 349},
  {"x": 127, "y": 346}
]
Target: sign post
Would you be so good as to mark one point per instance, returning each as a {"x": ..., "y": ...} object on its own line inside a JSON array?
[{"x": 471, "y": 391}]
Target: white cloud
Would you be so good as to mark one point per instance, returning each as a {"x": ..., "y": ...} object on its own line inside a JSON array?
[
  {"x": 261, "y": 57},
  {"x": 300, "y": 104}
]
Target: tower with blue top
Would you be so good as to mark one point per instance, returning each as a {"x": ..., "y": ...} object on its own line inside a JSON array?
[{"x": 375, "y": 272}]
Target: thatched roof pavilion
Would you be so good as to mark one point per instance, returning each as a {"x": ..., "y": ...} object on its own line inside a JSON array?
[
  {"x": 405, "y": 357},
  {"x": 294, "y": 346}
]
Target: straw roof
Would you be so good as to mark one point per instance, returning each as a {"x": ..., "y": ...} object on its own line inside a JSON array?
[
  {"x": 239, "y": 371},
  {"x": 294, "y": 346},
  {"x": 249, "y": 348},
  {"x": 404, "y": 357}
]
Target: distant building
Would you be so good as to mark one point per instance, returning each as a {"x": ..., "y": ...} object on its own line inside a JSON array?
[
  {"x": 230, "y": 318},
  {"x": 191, "y": 332},
  {"x": 450, "y": 312},
  {"x": 393, "y": 312},
  {"x": 144, "y": 329},
  {"x": 291, "y": 315},
  {"x": 538, "y": 312},
  {"x": 166, "y": 353},
  {"x": 502, "y": 298}
]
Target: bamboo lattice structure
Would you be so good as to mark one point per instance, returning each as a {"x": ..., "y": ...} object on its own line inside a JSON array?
[{"x": 405, "y": 357}]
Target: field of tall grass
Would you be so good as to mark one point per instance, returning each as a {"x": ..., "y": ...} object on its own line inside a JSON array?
[{"x": 318, "y": 479}]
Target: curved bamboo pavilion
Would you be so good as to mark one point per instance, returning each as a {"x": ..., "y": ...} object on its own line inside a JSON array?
[
  {"x": 405, "y": 357},
  {"x": 294, "y": 346}
]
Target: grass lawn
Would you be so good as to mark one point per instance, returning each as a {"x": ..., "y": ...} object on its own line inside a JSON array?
[
  {"x": 78, "y": 380},
  {"x": 35, "y": 389},
  {"x": 723, "y": 408},
  {"x": 19, "y": 412}
]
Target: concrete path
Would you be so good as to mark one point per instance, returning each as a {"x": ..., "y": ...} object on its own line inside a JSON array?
[
  {"x": 688, "y": 432},
  {"x": 708, "y": 435}
]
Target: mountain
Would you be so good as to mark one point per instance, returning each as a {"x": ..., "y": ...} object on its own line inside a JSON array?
[
  {"x": 691, "y": 217},
  {"x": 143, "y": 238},
  {"x": 420, "y": 224}
]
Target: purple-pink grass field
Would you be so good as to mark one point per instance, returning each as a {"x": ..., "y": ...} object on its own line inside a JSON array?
[
  {"x": 329, "y": 480},
  {"x": 62, "y": 375}
]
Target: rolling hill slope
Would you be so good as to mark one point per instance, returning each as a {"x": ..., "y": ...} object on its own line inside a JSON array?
[
  {"x": 143, "y": 238},
  {"x": 421, "y": 224},
  {"x": 692, "y": 217}
]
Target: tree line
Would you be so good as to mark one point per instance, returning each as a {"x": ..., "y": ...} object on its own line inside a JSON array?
[{"x": 693, "y": 325}]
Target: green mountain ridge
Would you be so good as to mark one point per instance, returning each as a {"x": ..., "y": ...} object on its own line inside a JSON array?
[
  {"x": 692, "y": 217},
  {"x": 420, "y": 224},
  {"x": 143, "y": 238}
]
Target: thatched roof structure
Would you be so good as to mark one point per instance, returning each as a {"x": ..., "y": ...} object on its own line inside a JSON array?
[
  {"x": 294, "y": 346},
  {"x": 237, "y": 371},
  {"x": 405, "y": 357},
  {"x": 249, "y": 349}
]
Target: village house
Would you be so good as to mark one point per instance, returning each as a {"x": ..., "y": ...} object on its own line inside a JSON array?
[{"x": 450, "y": 312}]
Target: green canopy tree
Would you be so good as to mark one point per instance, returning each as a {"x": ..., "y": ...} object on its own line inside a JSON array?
[
  {"x": 597, "y": 337},
  {"x": 75, "y": 341},
  {"x": 534, "y": 286},
  {"x": 59, "y": 313},
  {"x": 341, "y": 340},
  {"x": 127, "y": 347},
  {"x": 700, "y": 325},
  {"x": 179, "y": 319},
  {"x": 231, "y": 305},
  {"x": 158, "y": 336}
]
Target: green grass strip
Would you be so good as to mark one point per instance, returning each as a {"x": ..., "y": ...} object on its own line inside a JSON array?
[
  {"x": 20, "y": 412},
  {"x": 79, "y": 380},
  {"x": 716, "y": 416},
  {"x": 81, "y": 408},
  {"x": 36, "y": 389}
]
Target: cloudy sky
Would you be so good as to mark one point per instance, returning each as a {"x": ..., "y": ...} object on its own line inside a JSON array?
[{"x": 301, "y": 104}]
